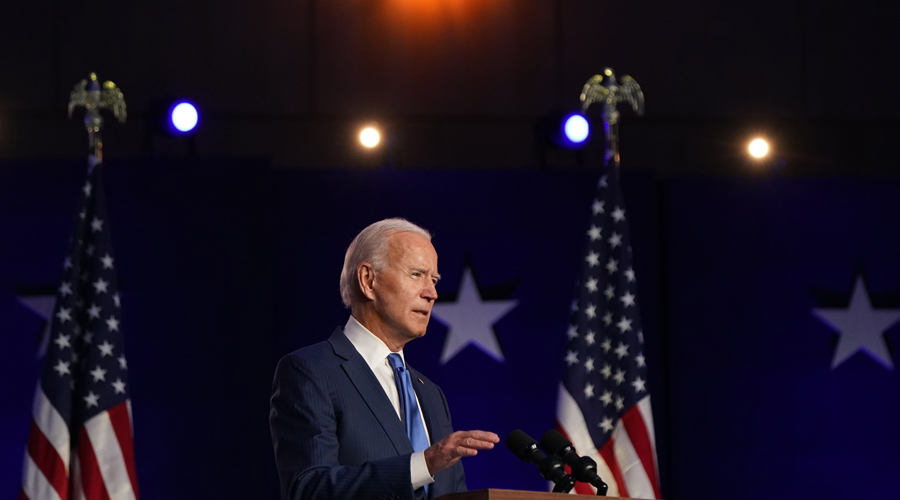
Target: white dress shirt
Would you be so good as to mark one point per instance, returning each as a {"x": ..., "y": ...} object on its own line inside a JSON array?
[{"x": 375, "y": 352}]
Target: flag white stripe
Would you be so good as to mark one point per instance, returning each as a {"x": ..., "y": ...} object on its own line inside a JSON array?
[
  {"x": 109, "y": 457},
  {"x": 51, "y": 423},
  {"x": 35, "y": 484},
  {"x": 647, "y": 414},
  {"x": 636, "y": 479},
  {"x": 572, "y": 421}
]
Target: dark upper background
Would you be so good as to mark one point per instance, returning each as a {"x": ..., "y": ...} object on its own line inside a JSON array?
[{"x": 460, "y": 83}]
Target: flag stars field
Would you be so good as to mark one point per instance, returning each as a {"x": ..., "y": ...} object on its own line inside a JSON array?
[
  {"x": 62, "y": 367},
  {"x": 62, "y": 341},
  {"x": 612, "y": 266},
  {"x": 64, "y": 314},
  {"x": 98, "y": 374},
  {"x": 105, "y": 349},
  {"x": 92, "y": 399}
]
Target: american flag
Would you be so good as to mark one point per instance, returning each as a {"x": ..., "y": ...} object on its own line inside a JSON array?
[
  {"x": 604, "y": 404},
  {"x": 81, "y": 444}
]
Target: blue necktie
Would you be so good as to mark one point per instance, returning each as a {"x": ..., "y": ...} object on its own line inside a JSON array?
[{"x": 409, "y": 408}]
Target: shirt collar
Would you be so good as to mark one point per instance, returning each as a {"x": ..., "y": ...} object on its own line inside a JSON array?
[{"x": 372, "y": 349}]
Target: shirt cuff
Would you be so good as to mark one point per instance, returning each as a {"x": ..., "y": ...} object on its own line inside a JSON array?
[{"x": 418, "y": 470}]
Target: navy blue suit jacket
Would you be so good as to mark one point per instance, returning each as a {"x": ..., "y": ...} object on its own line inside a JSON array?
[{"x": 337, "y": 436}]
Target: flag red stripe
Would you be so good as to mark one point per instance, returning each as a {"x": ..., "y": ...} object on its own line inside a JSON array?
[
  {"x": 91, "y": 480},
  {"x": 584, "y": 489},
  {"x": 48, "y": 461},
  {"x": 609, "y": 456},
  {"x": 637, "y": 433},
  {"x": 121, "y": 423},
  {"x": 22, "y": 495}
]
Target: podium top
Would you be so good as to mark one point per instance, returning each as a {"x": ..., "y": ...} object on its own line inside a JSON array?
[{"x": 492, "y": 494}]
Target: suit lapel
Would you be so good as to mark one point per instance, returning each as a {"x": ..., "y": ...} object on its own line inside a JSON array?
[{"x": 371, "y": 391}]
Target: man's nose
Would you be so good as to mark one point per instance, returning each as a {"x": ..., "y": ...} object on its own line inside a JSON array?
[{"x": 430, "y": 292}]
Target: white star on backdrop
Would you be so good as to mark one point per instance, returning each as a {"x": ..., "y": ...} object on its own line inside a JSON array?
[
  {"x": 469, "y": 320},
  {"x": 861, "y": 327},
  {"x": 41, "y": 305}
]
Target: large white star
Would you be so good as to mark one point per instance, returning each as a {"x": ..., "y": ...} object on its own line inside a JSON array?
[
  {"x": 861, "y": 327},
  {"x": 469, "y": 320}
]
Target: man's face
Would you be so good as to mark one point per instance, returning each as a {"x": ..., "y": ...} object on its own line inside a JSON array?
[{"x": 404, "y": 289}]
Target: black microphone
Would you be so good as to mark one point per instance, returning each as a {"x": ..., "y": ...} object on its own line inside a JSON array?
[
  {"x": 584, "y": 469},
  {"x": 551, "y": 467}
]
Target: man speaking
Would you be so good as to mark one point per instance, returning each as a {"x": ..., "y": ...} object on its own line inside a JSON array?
[{"x": 349, "y": 418}]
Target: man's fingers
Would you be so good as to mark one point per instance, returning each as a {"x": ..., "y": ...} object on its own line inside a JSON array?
[
  {"x": 476, "y": 444},
  {"x": 482, "y": 436}
]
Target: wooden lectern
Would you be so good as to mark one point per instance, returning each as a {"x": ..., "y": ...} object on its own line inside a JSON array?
[{"x": 491, "y": 494}]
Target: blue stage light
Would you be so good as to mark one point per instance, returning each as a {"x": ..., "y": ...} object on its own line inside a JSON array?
[
  {"x": 183, "y": 117},
  {"x": 576, "y": 128}
]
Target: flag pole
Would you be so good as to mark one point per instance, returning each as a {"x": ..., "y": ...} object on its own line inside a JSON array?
[
  {"x": 603, "y": 88},
  {"x": 93, "y": 98}
]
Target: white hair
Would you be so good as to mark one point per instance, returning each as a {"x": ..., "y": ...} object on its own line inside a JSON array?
[{"x": 371, "y": 245}]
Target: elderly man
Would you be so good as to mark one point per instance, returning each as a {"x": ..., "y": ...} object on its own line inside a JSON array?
[{"x": 349, "y": 419}]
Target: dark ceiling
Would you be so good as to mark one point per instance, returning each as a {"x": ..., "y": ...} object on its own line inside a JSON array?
[{"x": 461, "y": 83}]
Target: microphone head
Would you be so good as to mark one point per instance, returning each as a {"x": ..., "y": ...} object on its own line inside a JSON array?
[
  {"x": 521, "y": 444},
  {"x": 554, "y": 442}
]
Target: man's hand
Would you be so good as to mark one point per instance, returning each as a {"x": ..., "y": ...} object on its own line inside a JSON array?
[{"x": 449, "y": 450}]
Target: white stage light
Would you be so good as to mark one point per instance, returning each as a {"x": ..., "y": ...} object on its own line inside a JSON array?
[
  {"x": 758, "y": 148},
  {"x": 369, "y": 137}
]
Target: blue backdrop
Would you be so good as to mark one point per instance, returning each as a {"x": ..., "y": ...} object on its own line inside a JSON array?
[{"x": 225, "y": 266}]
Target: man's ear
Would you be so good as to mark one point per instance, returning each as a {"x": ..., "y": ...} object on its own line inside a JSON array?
[{"x": 365, "y": 274}]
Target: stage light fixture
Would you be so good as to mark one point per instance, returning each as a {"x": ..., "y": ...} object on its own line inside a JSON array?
[
  {"x": 563, "y": 130},
  {"x": 758, "y": 148},
  {"x": 369, "y": 137},
  {"x": 183, "y": 117},
  {"x": 576, "y": 128},
  {"x": 171, "y": 124}
]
